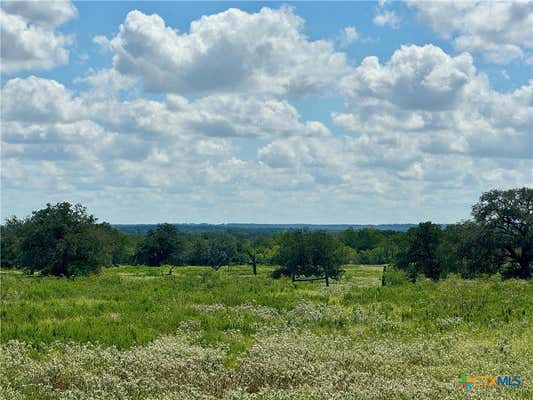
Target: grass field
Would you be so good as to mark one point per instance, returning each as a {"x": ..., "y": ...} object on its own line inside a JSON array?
[{"x": 134, "y": 333}]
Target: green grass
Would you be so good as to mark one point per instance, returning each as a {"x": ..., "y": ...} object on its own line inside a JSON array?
[
  {"x": 439, "y": 329},
  {"x": 133, "y": 305}
]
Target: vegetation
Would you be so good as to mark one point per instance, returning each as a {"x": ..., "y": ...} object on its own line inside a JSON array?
[
  {"x": 60, "y": 240},
  {"x": 162, "y": 245},
  {"x": 310, "y": 253},
  {"x": 137, "y": 333},
  {"x": 508, "y": 215},
  {"x": 253, "y": 251},
  {"x": 64, "y": 240},
  {"x": 500, "y": 239},
  {"x": 421, "y": 253},
  {"x": 405, "y": 331}
]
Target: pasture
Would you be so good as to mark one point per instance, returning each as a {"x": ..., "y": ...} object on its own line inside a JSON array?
[{"x": 139, "y": 333}]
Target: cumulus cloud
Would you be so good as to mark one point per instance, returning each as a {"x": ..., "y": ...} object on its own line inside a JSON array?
[
  {"x": 36, "y": 99},
  {"x": 463, "y": 131},
  {"x": 414, "y": 78},
  {"x": 499, "y": 30},
  {"x": 291, "y": 153},
  {"x": 421, "y": 129},
  {"x": 233, "y": 51},
  {"x": 440, "y": 103},
  {"x": 29, "y": 38},
  {"x": 48, "y": 13},
  {"x": 106, "y": 82},
  {"x": 42, "y": 121},
  {"x": 378, "y": 174}
]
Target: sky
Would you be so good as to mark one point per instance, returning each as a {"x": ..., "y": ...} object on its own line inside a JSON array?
[{"x": 265, "y": 112}]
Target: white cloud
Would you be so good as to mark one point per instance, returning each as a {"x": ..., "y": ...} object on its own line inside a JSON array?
[
  {"x": 387, "y": 18},
  {"x": 44, "y": 121},
  {"x": 438, "y": 102},
  {"x": 499, "y": 30},
  {"x": 292, "y": 153},
  {"x": 49, "y": 13},
  {"x": 426, "y": 131},
  {"x": 38, "y": 100},
  {"x": 228, "y": 115},
  {"x": 106, "y": 82},
  {"x": 348, "y": 36},
  {"x": 101, "y": 40},
  {"x": 233, "y": 51},
  {"x": 414, "y": 78},
  {"x": 468, "y": 138},
  {"x": 28, "y": 35}
]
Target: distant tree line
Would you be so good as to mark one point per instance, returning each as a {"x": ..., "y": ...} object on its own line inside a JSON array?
[
  {"x": 64, "y": 240},
  {"x": 253, "y": 230}
]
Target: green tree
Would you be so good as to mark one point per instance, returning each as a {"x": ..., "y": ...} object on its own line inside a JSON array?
[
  {"x": 364, "y": 239},
  {"x": 327, "y": 254},
  {"x": 293, "y": 255},
  {"x": 61, "y": 240},
  {"x": 310, "y": 253},
  {"x": 508, "y": 214},
  {"x": 161, "y": 245},
  {"x": 372, "y": 246},
  {"x": 197, "y": 249},
  {"x": 422, "y": 251},
  {"x": 10, "y": 239},
  {"x": 251, "y": 248},
  {"x": 117, "y": 246},
  {"x": 470, "y": 249},
  {"x": 221, "y": 249}
]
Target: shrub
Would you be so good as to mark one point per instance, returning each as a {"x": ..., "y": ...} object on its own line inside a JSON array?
[{"x": 393, "y": 276}]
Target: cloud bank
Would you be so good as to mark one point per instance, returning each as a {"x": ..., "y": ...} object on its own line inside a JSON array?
[{"x": 418, "y": 133}]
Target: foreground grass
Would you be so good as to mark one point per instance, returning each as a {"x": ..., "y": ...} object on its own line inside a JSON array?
[{"x": 132, "y": 333}]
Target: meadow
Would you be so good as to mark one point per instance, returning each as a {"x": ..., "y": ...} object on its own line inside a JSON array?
[{"x": 139, "y": 333}]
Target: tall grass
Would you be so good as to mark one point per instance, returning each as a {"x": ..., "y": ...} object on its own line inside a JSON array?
[{"x": 134, "y": 332}]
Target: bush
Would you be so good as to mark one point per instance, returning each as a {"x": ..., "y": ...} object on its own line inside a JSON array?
[{"x": 393, "y": 276}]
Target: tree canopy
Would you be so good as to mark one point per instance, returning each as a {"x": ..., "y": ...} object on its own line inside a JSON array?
[
  {"x": 160, "y": 246},
  {"x": 60, "y": 239},
  {"x": 310, "y": 253},
  {"x": 421, "y": 250},
  {"x": 509, "y": 215}
]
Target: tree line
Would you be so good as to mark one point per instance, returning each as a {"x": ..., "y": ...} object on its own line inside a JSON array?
[{"x": 64, "y": 240}]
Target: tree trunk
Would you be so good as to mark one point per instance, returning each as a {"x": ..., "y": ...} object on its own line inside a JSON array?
[{"x": 254, "y": 267}]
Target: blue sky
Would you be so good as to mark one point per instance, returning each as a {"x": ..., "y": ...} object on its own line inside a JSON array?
[{"x": 316, "y": 112}]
